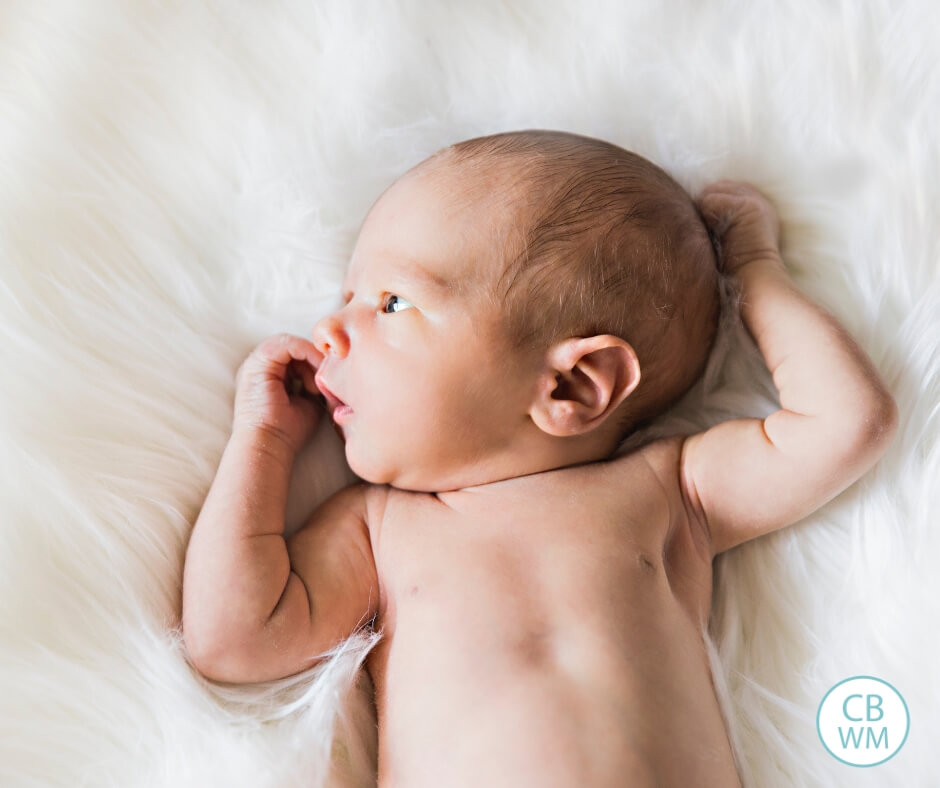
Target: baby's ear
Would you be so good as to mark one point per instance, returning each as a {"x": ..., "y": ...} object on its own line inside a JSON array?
[{"x": 584, "y": 381}]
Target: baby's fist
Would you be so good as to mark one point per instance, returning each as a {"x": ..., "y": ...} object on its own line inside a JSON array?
[
  {"x": 275, "y": 390},
  {"x": 744, "y": 222}
]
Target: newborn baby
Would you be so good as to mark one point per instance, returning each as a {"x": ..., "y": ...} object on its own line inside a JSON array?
[{"x": 516, "y": 306}]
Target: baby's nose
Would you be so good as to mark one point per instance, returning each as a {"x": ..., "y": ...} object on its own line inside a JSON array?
[{"x": 329, "y": 336}]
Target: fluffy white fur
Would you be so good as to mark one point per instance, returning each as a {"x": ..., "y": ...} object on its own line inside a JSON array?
[{"x": 178, "y": 181}]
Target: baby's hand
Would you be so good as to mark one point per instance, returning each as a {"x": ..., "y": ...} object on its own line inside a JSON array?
[
  {"x": 276, "y": 392},
  {"x": 745, "y": 223}
]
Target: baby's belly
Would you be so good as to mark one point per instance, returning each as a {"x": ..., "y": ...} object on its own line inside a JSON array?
[{"x": 495, "y": 686}]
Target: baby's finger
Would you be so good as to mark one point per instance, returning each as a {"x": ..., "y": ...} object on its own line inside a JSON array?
[
  {"x": 281, "y": 349},
  {"x": 308, "y": 376},
  {"x": 717, "y": 213}
]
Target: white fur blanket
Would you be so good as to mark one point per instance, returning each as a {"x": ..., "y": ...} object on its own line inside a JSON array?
[{"x": 179, "y": 180}]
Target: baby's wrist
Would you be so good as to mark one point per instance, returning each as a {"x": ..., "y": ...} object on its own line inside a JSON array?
[{"x": 263, "y": 440}]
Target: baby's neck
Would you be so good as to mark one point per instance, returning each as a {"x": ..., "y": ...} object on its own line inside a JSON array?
[{"x": 519, "y": 461}]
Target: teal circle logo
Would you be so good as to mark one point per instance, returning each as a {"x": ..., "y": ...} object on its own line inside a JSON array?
[{"x": 863, "y": 721}]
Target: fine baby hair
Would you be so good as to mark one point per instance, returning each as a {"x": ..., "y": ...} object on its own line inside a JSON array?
[{"x": 603, "y": 242}]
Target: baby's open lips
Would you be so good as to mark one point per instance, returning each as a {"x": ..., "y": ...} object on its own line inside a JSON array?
[{"x": 332, "y": 401}]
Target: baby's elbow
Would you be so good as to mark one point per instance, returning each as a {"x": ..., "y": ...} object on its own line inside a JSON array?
[
  {"x": 881, "y": 421},
  {"x": 210, "y": 657},
  {"x": 875, "y": 427},
  {"x": 199, "y": 652},
  {"x": 216, "y": 665}
]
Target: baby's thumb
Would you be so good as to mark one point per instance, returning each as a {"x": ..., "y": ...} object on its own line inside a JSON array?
[
  {"x": 715, "y": 212},
  {"x": 716, "y": 223}
]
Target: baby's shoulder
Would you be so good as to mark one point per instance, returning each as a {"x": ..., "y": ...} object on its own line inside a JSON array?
[
  {"x": 651, "y": 472},
  {"x": 660, "y": 457}
]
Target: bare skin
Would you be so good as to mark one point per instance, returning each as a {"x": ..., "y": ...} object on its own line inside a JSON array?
[
  {"x": 545, "y": 631},
  {"x": 542, "y": 604}
]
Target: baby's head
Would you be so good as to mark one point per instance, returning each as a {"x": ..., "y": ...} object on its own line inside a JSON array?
[{"x": 569, "y": 294}]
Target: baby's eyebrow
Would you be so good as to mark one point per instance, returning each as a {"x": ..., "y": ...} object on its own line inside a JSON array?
[
  {"x": 428, "y": 276},
  {"x": 413, "y": 271}
]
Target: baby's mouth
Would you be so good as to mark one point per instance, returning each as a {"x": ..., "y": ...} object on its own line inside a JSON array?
[
  {"x": 337, "y": 409},
  {"x": 334, "y": 408},
  {"x": 335, "y": 405},
  {"x": 341, "y": 413}
]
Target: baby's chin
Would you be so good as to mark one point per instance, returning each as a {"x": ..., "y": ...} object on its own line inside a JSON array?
[
  {"x": 401, "y": 474},
  {"x": 368, "y": 468}
]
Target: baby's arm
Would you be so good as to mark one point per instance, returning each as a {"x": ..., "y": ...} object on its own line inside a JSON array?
[
  {"x": 257, "y": 607},
  {"x": 747, "y": 477}
]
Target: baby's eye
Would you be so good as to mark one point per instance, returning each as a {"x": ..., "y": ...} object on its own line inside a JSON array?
[{"x": 395, "y": 301}]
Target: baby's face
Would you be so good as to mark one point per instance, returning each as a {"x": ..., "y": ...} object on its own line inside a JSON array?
[{"x": 424, "y": 366}]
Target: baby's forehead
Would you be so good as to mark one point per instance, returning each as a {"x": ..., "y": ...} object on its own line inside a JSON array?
[{"x": 445, "y": 226}]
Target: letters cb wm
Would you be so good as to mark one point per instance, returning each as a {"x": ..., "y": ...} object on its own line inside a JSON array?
[{"x": 863, "y": 721}]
